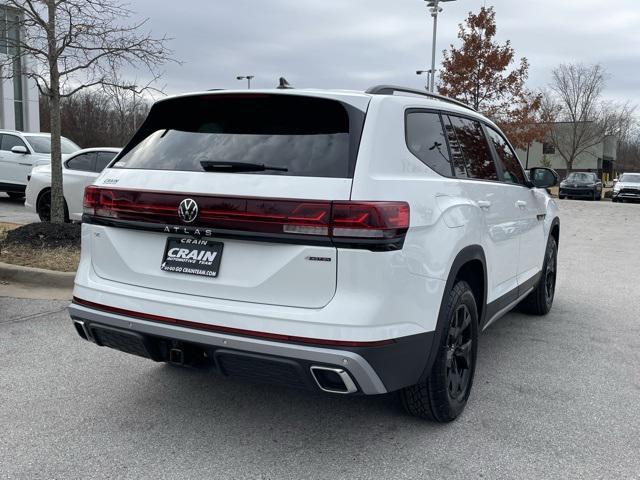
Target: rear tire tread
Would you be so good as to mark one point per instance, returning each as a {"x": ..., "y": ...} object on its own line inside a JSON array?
[{"x": 430, "y": 399}]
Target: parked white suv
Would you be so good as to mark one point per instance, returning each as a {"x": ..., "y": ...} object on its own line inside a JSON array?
[
  {"x": 343, "y": 241},
  {"x": 20, "y": 152},
  {"x": 627, "y": 187}
]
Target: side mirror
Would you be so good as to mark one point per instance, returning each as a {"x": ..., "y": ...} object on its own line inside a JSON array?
[
  {"x": 21, "y": 149},
  {"x": 542, "y": 177}
]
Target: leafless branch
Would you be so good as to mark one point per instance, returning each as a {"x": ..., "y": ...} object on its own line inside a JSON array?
[{"x": 578, "y": 117}]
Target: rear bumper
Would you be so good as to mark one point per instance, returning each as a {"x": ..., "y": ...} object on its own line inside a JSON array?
[{"x": 374, "y": 369}]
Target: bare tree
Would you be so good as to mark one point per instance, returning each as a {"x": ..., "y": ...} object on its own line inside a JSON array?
[
  {"x": 67, "y": 46},
  {"x": 96, "y": 117},
  {"x": 579, "y": 118},
  {"x": 629, "y": 155},
  {"x": 129, "y": 101}
]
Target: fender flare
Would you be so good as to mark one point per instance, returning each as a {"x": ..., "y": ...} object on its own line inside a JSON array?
[{"x": 467, "y": 254}]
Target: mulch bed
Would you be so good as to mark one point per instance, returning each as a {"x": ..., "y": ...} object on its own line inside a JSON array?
[
  {"x": 45, "y": 235},
  {"x": 41, "y": 245}
]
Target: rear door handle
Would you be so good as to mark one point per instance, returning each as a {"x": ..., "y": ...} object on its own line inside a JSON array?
[
  {"x": 25, "y": 164},
  {"x": 485, "y": 204},
  {"x": 521, "y": 203}
]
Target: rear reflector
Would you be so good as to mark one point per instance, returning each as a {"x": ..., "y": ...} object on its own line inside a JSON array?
[
  {"x": 340, "y": 222},
  {"x": 230, "y": 330}
]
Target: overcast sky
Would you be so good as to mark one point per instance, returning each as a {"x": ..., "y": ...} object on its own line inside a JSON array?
[{"x": 358, "y": 43}]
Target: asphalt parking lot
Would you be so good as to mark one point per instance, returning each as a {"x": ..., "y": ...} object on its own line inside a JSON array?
[
  {"x": 13, "y": 211},
  {"x": 554, "y": 397}
]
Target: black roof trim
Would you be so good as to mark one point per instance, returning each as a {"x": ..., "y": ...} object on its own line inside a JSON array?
[{"x": 391, "y": 89}]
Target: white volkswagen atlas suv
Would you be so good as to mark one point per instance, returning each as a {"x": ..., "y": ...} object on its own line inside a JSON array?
[{"x": 346, "y": 242}]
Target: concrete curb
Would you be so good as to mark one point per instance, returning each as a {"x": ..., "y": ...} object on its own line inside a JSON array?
[{"x": 36, "y": 276}]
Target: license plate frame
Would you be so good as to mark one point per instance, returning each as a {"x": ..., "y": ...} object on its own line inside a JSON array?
[{"x": 192, "y": 256}]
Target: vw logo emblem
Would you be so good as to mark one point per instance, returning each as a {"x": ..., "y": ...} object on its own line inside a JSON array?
[{"x": 188, "y": 210}]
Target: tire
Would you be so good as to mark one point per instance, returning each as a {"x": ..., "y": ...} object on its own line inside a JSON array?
[
  {"x": 43, "y": 207},
  {"x": 443, "y": 395},
  {"x": 540, "y": 300},
  {"x": 15, "y": 195},
  {"x": 561, "y": 197}
]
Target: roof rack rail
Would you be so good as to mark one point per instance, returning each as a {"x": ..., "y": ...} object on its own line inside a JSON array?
[{"x": 391, "y": 89}]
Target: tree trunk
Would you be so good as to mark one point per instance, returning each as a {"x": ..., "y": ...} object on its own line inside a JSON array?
[
  {"x": 569, "y": 166},
  {"x": 57, "y": 194}
]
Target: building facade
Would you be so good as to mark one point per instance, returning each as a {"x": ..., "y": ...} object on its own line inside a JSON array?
[
  {"x": 19, "y": 98},
  {"x": 599, "y": 158}
]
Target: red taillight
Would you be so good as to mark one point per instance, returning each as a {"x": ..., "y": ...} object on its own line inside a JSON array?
[
  {"x": 91, "y": 196},
  {"x": 369, "y": 219},
  {"x": 338, "y": 221}
]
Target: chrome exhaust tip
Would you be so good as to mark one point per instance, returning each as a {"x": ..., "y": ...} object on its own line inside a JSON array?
[
  {"x": 333, "y": 380},
  {"x": 82, "y": 330}
]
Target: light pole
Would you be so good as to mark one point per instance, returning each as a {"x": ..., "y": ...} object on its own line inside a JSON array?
[
  {"x": 134, "y": 90},
  {"x": 247, "y": 78},
  {"x": 435, "y": 9},
  {"x": 428, "y": 72}
]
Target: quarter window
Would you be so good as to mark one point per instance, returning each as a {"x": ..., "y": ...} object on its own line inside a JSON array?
[
  {"x": 426, "y": 140},
  {"x": 103, "y": 160},
  {"x": 470, "y": 150},
  {"x": 511, "y": 169}
]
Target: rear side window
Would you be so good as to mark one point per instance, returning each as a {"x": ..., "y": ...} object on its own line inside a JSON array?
[
  {"x": 84, "y": 162},
  {"x": 468, "y": 142},
  {"x": 426, "y": 140},
  {"x": 511, "y": 169},
  {"x": 311, "y": 137}
]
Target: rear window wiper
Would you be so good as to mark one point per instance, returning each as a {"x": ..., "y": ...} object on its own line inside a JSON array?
[{"x": 232, "y": 167}]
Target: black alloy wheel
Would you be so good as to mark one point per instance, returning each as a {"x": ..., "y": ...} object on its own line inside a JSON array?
[
  {"x": 459, "y": 348},
  {"x": 551, "y": 266}
]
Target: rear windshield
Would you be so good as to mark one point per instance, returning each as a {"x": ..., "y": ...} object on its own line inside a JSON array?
[{"x": 305, "y": 136}]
